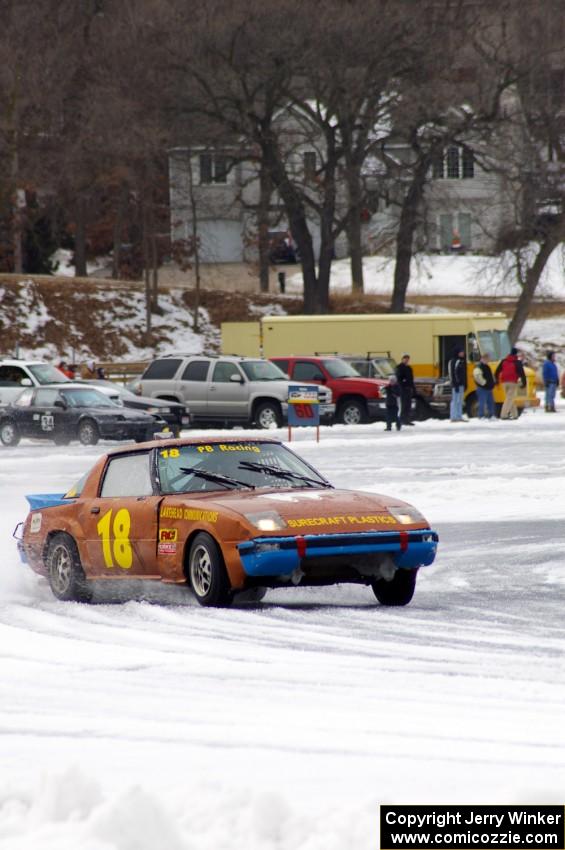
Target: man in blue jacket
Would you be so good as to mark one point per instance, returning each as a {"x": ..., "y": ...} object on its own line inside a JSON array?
[{"x": 550, "y": 374}]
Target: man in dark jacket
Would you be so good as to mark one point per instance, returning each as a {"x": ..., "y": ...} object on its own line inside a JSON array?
[
  {"x": 392, "y": 395},
  {"x": 550, "y": 374},
  {"x": 484, "y": 379},
  {"x": 457, "y": 369},
  {"x": 510, "y": 373},
  {"x": 405, "y": 378}
]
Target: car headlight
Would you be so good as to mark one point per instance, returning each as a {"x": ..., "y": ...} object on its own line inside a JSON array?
[
  {"x": 266, "y": 520},
  {"x": 406, "y": 514}
]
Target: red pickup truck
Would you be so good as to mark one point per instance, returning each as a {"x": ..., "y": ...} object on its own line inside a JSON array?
[{"x": 356, "y": 399}]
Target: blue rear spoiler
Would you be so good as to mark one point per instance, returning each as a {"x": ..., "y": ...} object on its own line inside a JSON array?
[{"x": 38, "y": 501}]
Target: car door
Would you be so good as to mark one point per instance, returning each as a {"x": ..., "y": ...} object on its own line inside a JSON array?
[
  {"x": 228, "y": 392},
  {"x": 47, "y": 419},
  {"x": 193, "y": 386},
  {"x": 120, "y": 524}
]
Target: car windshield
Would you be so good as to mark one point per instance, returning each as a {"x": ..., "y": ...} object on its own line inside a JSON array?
[
  {"x": 44, "y": 373},
  {"x": 340, "y": 368},
  {"x": 86, "y": 397},
  {"x": 224, "y": 466},
  {"x": 263, "y": 370},
  {"x": 494, "y": 343}
]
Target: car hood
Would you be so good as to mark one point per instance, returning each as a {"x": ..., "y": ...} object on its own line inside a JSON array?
[
  {"x": 309, "y": 511},
  {"x": 123, "y": 412},
  {"x": 367, "y": 383}
]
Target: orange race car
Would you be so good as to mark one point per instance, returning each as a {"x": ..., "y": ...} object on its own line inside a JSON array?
[{"x": 222, "y": 516}]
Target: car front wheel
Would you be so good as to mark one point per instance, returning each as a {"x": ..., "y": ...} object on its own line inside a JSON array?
[
  {"x": 207, "y": 573},
  {"x": 399, "y": 590},
  {"x": 64, "y": 570},
  {"x": 9, "y": 433},
  {"x": 268, "y": 415},
  {"x": 88, "y": 433},
  {"x": 352, "y": 412}
]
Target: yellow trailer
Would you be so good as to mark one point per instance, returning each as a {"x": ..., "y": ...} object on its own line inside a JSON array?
[{"x": 429, "y": 338}]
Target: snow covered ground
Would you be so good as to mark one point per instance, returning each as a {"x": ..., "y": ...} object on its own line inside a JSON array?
[{"x": 155, "y": 724}]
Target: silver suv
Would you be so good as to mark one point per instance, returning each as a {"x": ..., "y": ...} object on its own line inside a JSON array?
[{"x": 227, "y": 390}]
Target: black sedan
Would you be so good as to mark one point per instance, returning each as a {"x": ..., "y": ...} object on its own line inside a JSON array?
[
  {"x": 62, "y": 413},
  {"x": 175, "y": 414}
]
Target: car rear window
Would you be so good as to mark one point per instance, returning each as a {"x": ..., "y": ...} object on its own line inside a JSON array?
[{"x": 161, "y": 369}]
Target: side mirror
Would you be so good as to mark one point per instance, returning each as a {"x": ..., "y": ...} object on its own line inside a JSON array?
[
  {"x": 236, "y": 379},
  {"x": 26, "y": 382},
  {"x": 60, "y": 402}
]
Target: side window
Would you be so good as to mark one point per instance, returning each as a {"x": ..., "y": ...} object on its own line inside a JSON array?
[
  {"x": 12, "y": 374},
  {"x": 223, "y": 372},
  {"x": 45, "y": 398},
  {"x": 282, "y": 364},
  {"x": 305, "y": 371},
  {"x": 161, "y": 369},
  {"x": 197, "y": 370},
  {"x": 128, "y": 476},
  {"x": 24, "y": 399}
]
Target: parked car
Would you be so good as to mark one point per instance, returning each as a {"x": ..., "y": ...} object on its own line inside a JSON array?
[
  {"x": 17, "y": 374},
  {"x": 357, "y": 399},
  {"x": 430, "y": 397},
  {"x": 227, "y": 390},
  {"x": 222, "y": 516},
  {"x": 176, "y": 415},
  {"x": 73, "y": 412}
]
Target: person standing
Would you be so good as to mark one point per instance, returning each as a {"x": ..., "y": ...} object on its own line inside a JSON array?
[
  {"x": 392, "y": 395},
  {"x": 484, "y": 379},
  {"x": 405, "y": 378},
  {"x": 457, "y": 370},
  {"x": 510, "y": 373},
  {"x": 550, "y": 375}
]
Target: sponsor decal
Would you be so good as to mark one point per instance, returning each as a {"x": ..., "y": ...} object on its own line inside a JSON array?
[
  {"x": 192, "y": 514},
  {"x": 168, "y": 535},
  {"x": 166, "y": 548},
  {"x": 35, "y": 523},
  {"x": 312, "y": 522}
]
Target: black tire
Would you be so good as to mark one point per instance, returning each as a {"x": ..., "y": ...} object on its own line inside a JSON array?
[
  {"x": 423, "y": 410},
  {"x": 268, "y": 414},
  {"x": 62, "y": 440},
  {"x": 64, "y": 570},
  {"x": 352, "y": 412},
  {"x": 88, "y": 432},
  {"x": 398, "y": 591},
  {"x": 472, "y": 406},
  {"x": 9, "y": 433},
  {"x": 206, "y": 572}
]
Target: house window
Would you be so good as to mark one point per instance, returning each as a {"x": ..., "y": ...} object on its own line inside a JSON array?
[
  {"x": 213, "y": 168},
  {"x": 455, "y": 164},
  {"x": 309, "y": 165},
  {"x": 455, "y": 232}
]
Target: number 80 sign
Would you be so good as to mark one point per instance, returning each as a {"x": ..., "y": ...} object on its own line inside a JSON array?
[{"x": 303, "y": 407}]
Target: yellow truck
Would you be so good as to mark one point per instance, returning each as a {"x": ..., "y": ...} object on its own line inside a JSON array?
[{"x": 429, "y": 338}]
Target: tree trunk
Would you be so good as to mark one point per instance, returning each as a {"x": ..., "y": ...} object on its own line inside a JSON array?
[
  {"x": 405, "y": 235},
  {"x": 266, "y": 190},
  {"x": 146, "y": 272},
  {"x": 528, "y": 292},
  {"x": 118, "y": 230},
  {"x": 195, "y": 249},
  {"x": 354, "y": 229},
  {"x": 80, "y": 238}
]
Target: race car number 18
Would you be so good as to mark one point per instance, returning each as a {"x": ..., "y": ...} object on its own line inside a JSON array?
[{"x": 121, "y": 547}]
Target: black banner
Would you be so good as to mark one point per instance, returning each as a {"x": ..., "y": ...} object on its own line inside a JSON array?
[{"x": 469, "y": 827}]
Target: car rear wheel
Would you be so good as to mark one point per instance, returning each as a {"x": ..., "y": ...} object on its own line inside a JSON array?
[
  {"x": 207, "y": 573},
  {"x": 9, "y": 433},
  {"x": 398, "y": 591},
  {"x": 88, "y": 432},
  {"x": 352, "y": 412},
  {"x": 64, "y": 570},
  {"x": 268, "y": 415}
]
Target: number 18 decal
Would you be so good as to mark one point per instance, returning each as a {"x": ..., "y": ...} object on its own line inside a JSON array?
[{"x": 120, "y": 548}]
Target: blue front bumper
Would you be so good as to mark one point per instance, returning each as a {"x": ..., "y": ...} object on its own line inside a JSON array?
[{"x": 280, "y": 556}]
